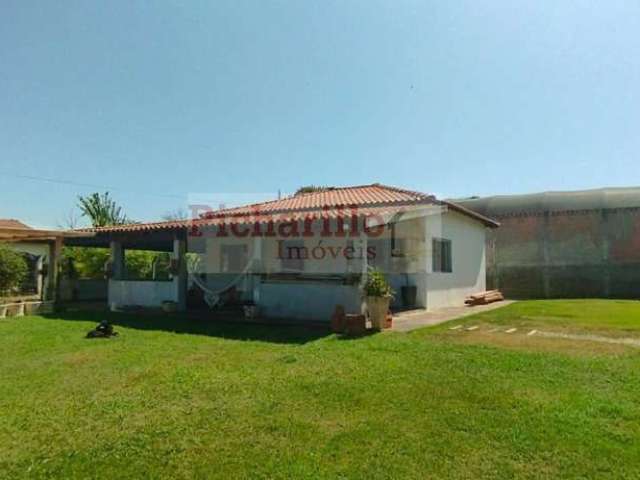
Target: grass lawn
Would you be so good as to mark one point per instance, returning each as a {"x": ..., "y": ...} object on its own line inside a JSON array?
[
  {"x": 174, "y": 398},
  {"x": 612, "y": 317}
]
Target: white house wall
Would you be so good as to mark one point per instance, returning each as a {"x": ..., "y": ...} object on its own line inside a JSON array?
[{"x": 468, "y": 259}]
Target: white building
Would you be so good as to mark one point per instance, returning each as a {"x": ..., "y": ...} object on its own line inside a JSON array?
[{"x": 299, "y": 257}]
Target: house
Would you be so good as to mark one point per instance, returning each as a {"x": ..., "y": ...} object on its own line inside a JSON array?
[
  {"x": 570, "y": 244},
  {"x": 300, "y": 256}
]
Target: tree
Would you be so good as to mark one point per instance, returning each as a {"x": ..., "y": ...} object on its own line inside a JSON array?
[
  {"x": 13, "y": 269},
  {"x": 84, "y": 262},
  {"x": 101, "y": 210}
]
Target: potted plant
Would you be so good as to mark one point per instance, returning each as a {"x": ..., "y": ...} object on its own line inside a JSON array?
[
  {"x": 250, "y": 310},
  {"x": 378, "y": 294},
  {"x": 169, "y": 306}
]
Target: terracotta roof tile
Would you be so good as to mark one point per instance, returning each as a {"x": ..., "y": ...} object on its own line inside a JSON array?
[
  {"x": 365, "y": 195},
  {"x": 369, "y": 199}
]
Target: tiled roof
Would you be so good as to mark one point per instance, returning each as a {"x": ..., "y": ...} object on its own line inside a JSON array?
[
  {"x": 333, "y": 202},
  {"x": 11, "y": 223},
  {"x": 365, "y": 195}
]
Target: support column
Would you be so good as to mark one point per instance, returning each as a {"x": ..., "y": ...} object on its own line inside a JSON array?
[
  {"x": 117, "y": 260},
  {"x": 55, "y": 247},
  {"x": 40, "y": 287},
  {"x": 117, "y": 273},
  {"x": 180, "y": 279}
]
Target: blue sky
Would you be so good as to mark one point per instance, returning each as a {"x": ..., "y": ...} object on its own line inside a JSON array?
[{"x": 159, "y": 100}]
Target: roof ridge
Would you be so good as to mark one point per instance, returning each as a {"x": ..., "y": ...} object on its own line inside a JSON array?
[
  {"x": 403, "y": 190},
  {"x": 328, "y": 189}
]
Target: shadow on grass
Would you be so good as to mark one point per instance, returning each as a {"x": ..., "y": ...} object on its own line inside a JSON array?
[
  {"x": 348, "y": 337},
  {"x": 185, "y": 324}
]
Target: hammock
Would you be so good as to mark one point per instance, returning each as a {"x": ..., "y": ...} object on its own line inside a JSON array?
[{"x": 213, "y": 298}]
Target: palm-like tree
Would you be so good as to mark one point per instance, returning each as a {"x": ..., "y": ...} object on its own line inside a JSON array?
[{"x": 101, "y": 210}]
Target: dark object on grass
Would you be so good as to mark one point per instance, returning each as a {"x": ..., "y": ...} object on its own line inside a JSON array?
[{"x": 103, "y": 330}]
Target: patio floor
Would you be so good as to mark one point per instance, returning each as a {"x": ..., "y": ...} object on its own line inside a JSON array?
[{"x": 407, "y": 321}]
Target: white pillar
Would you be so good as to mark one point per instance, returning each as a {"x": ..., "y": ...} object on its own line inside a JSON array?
[
  {"x": 117, "y": 260},
  {"x": 180, "y": 279},
  {"x": 117, "y": 273},
  {"x": 40, "y": 291},
  {"x": 55, "y": 248}
]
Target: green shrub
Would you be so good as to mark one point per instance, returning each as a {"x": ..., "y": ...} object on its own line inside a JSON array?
[
  {"x": 13, "y": 269},
  {"x": 87, "y": 262},
  {"x": 81, "y": 262},
  {"x": 377, "y": 285}
]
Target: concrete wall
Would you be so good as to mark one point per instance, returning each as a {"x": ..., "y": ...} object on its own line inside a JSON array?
[
  {"x": 468, "y": 260},
  {"x": 589, "y": 253},
  {"x": 307, "y": 301},
  {"x": 141, "y": 293},
  {"x": 83, "y": 289}
]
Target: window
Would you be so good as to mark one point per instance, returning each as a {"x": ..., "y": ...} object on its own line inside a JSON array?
[
  {"x": 233, "y": 258},
  {"x": 292, "y": 255},
  {"x": 442, "y": 255}
]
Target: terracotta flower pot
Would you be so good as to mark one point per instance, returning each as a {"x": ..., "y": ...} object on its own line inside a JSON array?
[
  {"x": 355, "y": 324},
  {"x": 378, "y": 308},
  {"x": 169, "y": 306},
  {"x": 388, "y": 321}
]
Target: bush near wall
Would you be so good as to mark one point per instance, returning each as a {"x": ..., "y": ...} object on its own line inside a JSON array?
[
  {"x": 88, "y": 263},
  {"x": 13, "y": 269}
]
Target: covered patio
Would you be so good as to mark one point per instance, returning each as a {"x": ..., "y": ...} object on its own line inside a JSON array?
[{"x": 124, "y": 291}]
